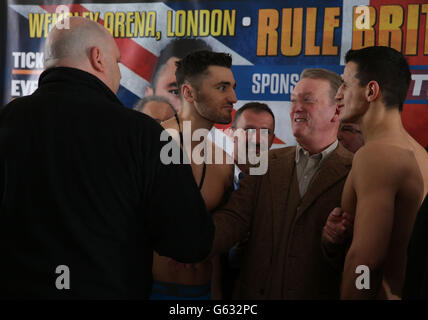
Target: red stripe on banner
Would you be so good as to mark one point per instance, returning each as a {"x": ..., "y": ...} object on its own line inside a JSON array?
[
  {"x": 415, "y": 119},
  {"x": 402, "y": 11},
  {"x": 133, "y": 56},
  {"x": 225, "y": 126},
  {"x": 136, "y": 58},
  {"x": 278, "y": 141},
  {"x": 413, "y": 116}
]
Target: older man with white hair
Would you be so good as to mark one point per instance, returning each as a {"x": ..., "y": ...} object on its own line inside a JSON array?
[{"x": 82, "y": 187}]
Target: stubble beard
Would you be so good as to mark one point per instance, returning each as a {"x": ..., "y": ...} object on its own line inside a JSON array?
[{"x": 211, "y": 114}]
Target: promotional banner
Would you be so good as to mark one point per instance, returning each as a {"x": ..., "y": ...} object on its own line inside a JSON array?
[{"x": 271, "y": 42}]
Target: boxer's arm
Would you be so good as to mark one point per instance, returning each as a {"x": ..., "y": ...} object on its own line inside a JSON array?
[{"x": 375, "y": 185}]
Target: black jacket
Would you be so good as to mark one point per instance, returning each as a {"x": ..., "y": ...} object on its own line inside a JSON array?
[
  {"x": 82, "y": 185},
  {"x": 416, "y": 281}
]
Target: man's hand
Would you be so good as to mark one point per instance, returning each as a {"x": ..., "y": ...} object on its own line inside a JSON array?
[{"x": 338, "y": 227}]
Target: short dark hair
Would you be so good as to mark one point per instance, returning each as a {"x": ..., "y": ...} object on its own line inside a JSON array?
[
  {"x": 178, "y": 48},
  {"x": 387, "y": 67},
  {"x": 139, "y": 106},
  {"x": 196, "y": 64},
  {"x": 256, "y": 107}
]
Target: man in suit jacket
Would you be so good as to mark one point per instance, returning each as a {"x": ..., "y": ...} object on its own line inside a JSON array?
[{"x": 286, "y": 209}]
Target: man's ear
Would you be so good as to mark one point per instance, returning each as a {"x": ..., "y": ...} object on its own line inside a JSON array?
[
  {"x": 187, "y": 92},
  {"x": 336, "y": 116},
  {"x": 96, "y": 59},
  {"x": 149, "y": 91},
  {"x": 372, "y": 91}
]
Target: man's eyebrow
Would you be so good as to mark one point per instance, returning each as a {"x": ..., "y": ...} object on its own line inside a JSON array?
[
  {"x": 226, "y": 83},
  {"x": 303, "y": 94},
  {"x": 172, "y": 84},
  {"x": 306, "y": 94}
]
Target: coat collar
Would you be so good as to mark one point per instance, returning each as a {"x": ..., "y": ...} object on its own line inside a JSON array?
[
  {"x": 76, "y": 77},
  {"x": 322, "y": 155},
  {"x": 281, "y": 164},
  {"x": 335, "y": 168}
]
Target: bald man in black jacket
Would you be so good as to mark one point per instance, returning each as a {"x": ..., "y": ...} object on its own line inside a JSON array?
[{"x": 84, "y": 195}]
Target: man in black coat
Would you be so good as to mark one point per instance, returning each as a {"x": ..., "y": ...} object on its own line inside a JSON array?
[
  {"x": 85, "y": 197},
  {"x": 416, "y": 281}
]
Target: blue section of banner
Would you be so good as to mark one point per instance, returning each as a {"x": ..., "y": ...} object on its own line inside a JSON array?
[
  {"x": 127, "y": 97},
  {"x": 22, "y": 51},
  {"x": 270, "y": 83},
  {"x": 415, "y": 102},
  {"x": 245, "y": 40}
]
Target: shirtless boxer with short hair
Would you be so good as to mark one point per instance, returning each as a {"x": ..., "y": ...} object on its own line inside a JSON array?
[
  {"x": 207, "y": 92},
  {"x": 389, "y": 176}
]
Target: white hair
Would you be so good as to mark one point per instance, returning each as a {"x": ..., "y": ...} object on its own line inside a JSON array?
[{"x": 75, "y": 42}]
